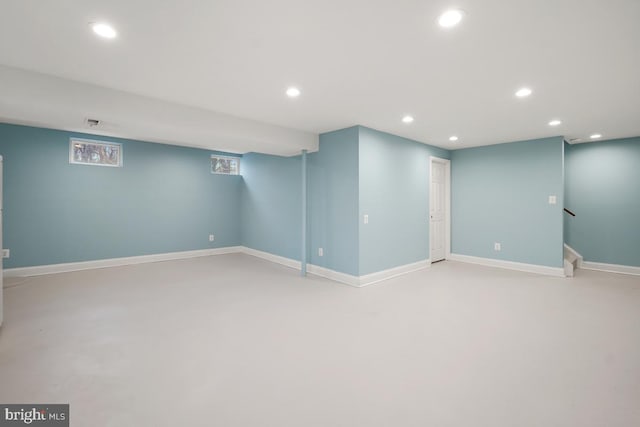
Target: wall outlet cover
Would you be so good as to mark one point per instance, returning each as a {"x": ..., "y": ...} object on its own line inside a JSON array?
[
  {"x": 497, "y": 246},
  {"x": 6, "y": 253},
  {"x": 320, "y": 252},
  {"x": 212, "y": 237}
]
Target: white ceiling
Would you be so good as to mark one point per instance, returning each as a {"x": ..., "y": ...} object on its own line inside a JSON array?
[{"x": 186, "y": 71}]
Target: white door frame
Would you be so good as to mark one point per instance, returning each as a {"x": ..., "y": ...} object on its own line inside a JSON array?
[{"x": 447, "y": 205}]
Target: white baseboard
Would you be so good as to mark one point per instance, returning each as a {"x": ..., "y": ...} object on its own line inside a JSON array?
[
  {"x": 316, "y": 270},
  {"x": 379, "y": 276},
  {"x": 510, "y": 265},
  {"x": 39, "y": 270},
  {"x": 336, "y": 276},
  {"x": 347, "y": 279},
  {"x": 611, "y": 268},
  {"x": 292, "y": 263},
  {"x": 368, "y": 279},
  {"x": 357, "y": 281}
]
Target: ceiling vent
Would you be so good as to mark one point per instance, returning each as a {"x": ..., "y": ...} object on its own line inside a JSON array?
[{"x": 93, "y": 123}]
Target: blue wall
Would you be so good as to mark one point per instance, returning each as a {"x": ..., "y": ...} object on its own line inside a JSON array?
[
  {"x": 333, "y": 202},
  {"x": 500, "y": 194},
  {"x": 272, "y": 204},
  {"x": 603, "y": 190},
  {"x": 164, "y": 199},
  {"x": 394, "y": 192}
]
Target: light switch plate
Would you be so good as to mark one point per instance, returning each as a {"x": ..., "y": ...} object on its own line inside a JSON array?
[
  {"x": 552, "y": 200},
  {"x": 366, "y": 219}
]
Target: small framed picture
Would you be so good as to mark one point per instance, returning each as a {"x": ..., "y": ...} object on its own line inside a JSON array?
[
  {"x": 97, "y": 153},
  {"x": 225, "y": 165}
]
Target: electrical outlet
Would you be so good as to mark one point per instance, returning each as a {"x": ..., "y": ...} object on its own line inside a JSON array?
[
  {"x": 320, "y": 252},
  {"x": 212, "y": 237},
  {"x": 6, "y": 253},
  {"x": 497, "y": 247},
  {"x": 366, "y": 219}
]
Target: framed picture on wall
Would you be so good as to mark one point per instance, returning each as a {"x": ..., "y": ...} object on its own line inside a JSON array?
[
  {"x": 225, "y": 165},
  {"x": 97, "y": 153}
]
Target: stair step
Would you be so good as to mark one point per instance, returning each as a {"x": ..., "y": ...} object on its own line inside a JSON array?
[{"x": 569, "y": 268}]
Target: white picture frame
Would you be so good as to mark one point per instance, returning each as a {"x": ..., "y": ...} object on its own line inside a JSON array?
[{"x": 95, "y": 153}]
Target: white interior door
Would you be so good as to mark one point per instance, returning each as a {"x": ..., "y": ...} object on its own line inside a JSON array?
[{"x": 438, "y": 229}]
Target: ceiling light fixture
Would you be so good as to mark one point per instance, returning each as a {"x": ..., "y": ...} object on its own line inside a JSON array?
[
  {"x": 555, "y": 123},
  {"x": 293, "y": 92},
  {"x": 407, "y": 119},
  {"x": 595, "y": 136},
  {"x": 453, "y": 138},
  {"x": 104, "y": 30},
  {"x": 450, "y": 18},
  {"x": 523, "y": 92}
]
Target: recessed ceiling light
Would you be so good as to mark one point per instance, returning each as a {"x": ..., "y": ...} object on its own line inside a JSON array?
[
  {"x": 103, "y": 30},
  {"x": 555, "y": 123},
  {"x": 595, "y": 136},
  {"x": 407, "y": 119},
  {"x": 523, "y": 92},
  {"x": 450, "y": 18},
  {"x": 453, "y": 138},
  {"x": 293, "y": 92}
]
